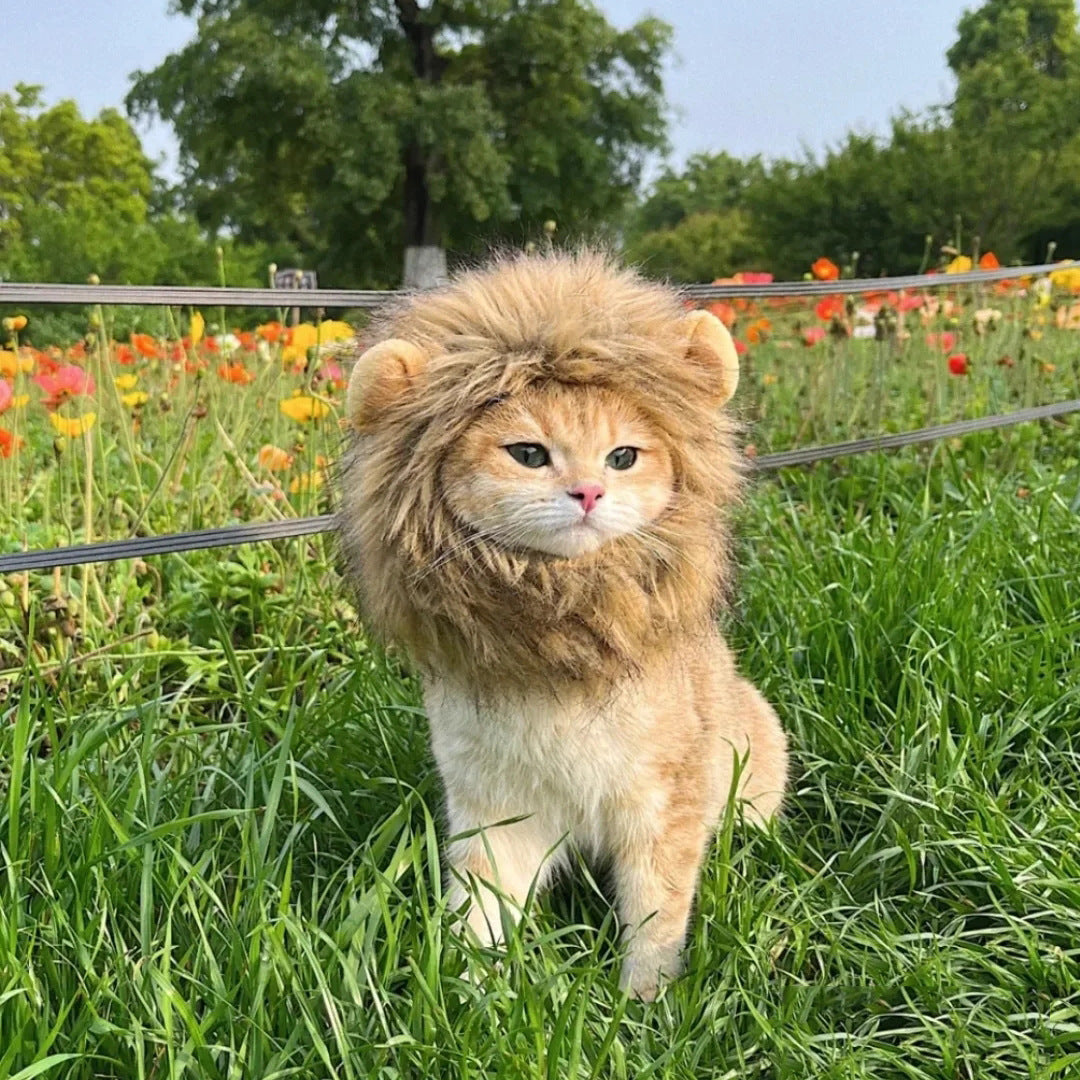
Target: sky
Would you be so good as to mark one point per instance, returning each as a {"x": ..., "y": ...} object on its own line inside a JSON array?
[{"x": 775, "y": 77}]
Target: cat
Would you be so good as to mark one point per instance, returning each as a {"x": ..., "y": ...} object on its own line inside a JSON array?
[{"x": 533, "y": 505}]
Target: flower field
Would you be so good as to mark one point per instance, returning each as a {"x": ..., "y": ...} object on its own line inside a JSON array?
[{"x": 219, "y": 824}]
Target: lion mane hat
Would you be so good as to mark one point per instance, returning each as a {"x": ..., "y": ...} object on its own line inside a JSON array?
[{"x": 461, "y": 604}]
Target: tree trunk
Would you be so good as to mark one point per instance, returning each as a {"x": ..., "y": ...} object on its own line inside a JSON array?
[{"x": 425, "y": 258}]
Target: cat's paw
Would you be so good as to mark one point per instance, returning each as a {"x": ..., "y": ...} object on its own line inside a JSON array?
[{"x": 645, "y": 971}]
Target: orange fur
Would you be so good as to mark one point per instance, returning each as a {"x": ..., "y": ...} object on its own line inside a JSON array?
[{"x": 588, "y": 694}]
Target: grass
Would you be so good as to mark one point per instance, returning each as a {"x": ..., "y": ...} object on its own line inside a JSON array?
[{"x": 220, "y": 825}]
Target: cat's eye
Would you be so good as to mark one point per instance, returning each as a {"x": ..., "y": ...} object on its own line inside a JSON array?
[
  {"x": 622, "y": 457},
  {"x": 531, "y": 455}
]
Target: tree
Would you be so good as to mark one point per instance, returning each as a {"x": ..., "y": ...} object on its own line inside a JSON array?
[
  {"x": 1016, "y": 117},
  {"x": 350, "y": 128}
]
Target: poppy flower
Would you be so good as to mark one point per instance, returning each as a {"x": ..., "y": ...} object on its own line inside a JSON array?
[
  {"x": 989, "y": 261},
  {"x": 302, "y": 408},
  {"x": 274, "y": 458},
  {"x": 125, "y": 382},
  {"x": 145, "y": 345},
  {"x": 302, "y": 336},
  {"x": 962, "y": 264},
  {"x": 812, "y": 335},
  {"x": 72, "y": 425},
  {"x": 740, "y": 347},
  {"x": 12, "y": 363},
  {"x": 758, "y": 331},
  {"x": 65, "y": 382},
  {"x": 15, "y": 323},
  {"x": 334, "y": 330},
  {"x": 9, "y": 443},
  {"x": 7, "y": 395},
  {"x": 271, "y": 331},
  {"x": 945, "y": 341},
  {"x": 753, "y": 277},
  {"x": 724, "y": 312},
  {"x": 825, "y": 269},
  {"x": 311, "y": 481},
  {"x": 958, "y": 364},
  {"x": 125, "y": 355},
  {"x": 910, "y": 302},
  {"x": 829, "y": 307},
  {"x": 135, "y": 398},
  {"x": 196, "y": 328},
  {"x": 235, "y": 373}
]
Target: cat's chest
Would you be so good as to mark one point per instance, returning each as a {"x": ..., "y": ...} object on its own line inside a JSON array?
[{"x": 560, "y": 744}]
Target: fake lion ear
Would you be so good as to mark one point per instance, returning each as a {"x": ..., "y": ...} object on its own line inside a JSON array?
[
  {"x": 710, "y": 345},
  {"x": 379, "y": 378}
]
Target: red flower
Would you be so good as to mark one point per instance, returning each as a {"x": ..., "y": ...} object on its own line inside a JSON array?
[
  {"x": 829, "y": 307},
  {"x": 910, "y": 302},
  {"x": 812, "y": 335},
  {"x": 825, "y": 269},
  {"x": 246, "y": 339},
  {"x": 958, "y": 364},
  {"x": 9, "y": 443},
  {"x": 124, "y": 355},
  {"x": 740, "y": 347},
  {"x": 66, "y": 382}
]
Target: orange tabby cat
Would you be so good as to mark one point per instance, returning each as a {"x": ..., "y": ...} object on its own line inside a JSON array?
[{"x": 533, "y": 505}]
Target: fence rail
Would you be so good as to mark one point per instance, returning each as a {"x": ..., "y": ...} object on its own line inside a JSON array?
[
  {"x": 229, "y": 535},
  {"x": 195, "y": 295}
]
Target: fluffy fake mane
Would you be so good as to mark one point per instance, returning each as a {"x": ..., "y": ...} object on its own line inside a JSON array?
[{"x": 465, "y": 607}]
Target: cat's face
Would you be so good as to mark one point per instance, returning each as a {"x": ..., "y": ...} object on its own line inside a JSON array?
[{"x": 559, "y": 469}]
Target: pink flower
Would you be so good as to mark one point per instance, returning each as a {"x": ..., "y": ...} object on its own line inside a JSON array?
[
  {"x": 66, "y": 382},
  {"x": 812, "y": 335},
  {"x": 6, "y": 394},
  {"x": 943, "y": 341},
  {"x": 753, "y": 277}
]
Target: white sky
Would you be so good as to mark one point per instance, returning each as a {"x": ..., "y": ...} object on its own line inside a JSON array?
[{"x": 771, "y": 76}]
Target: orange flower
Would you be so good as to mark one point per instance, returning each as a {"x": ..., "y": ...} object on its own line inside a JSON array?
[
  {"x": 758, "y": 331},
  {"x": 9, "y": 443},
  {"x": 274, "y": 458},
  {"x": 302, "y": 408},
  {"x": 12, "y": 363},
  {"x": 145, "y": 345},
  {"x": 989, "y": 261},
  {"x": 825, "y": 269},
  {"x": 235, "y": 373},
  {"x": 724, "y": 312},
  {"x": 124, "y": 355},
  {"x": 271, "y": 331}
]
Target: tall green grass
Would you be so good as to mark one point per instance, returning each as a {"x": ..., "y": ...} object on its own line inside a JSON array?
[{"x": 219, "y": 840}]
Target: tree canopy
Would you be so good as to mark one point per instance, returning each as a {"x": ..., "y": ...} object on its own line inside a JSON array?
[{"x": 350, "y": 128}]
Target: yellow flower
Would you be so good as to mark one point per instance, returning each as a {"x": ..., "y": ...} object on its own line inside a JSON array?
[
  {"x": 334, "y": 331},
  {"x": 77, "y": 425},
  {"x": 125, "y": 382},
  {"x": 311, "y": 481},
  {"x": 196, "y": 328},
  {"x": 302, "y": 408},
  {"x": 136, "y": 397},
  {"x": 294, "y": 354},
  {"x": 15, "y": 322},
  {"x": 962, "y": 264},
  {"x": 19, "y": 400},
  {"x": 12, "y": 363},
  {"x": 1066, "y": 279},
  {"x": 303, "y": 335}
]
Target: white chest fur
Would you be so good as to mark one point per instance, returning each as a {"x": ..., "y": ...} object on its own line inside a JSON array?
[{"x": 566, "y": 762}]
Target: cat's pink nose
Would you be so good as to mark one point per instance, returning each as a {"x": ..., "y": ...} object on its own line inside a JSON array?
[{"x": 588, "y": 495}]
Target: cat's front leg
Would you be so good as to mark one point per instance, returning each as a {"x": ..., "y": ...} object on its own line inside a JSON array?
[
  {"x": 656, "y": 861},
  {"x": 493, "y": 866}
]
